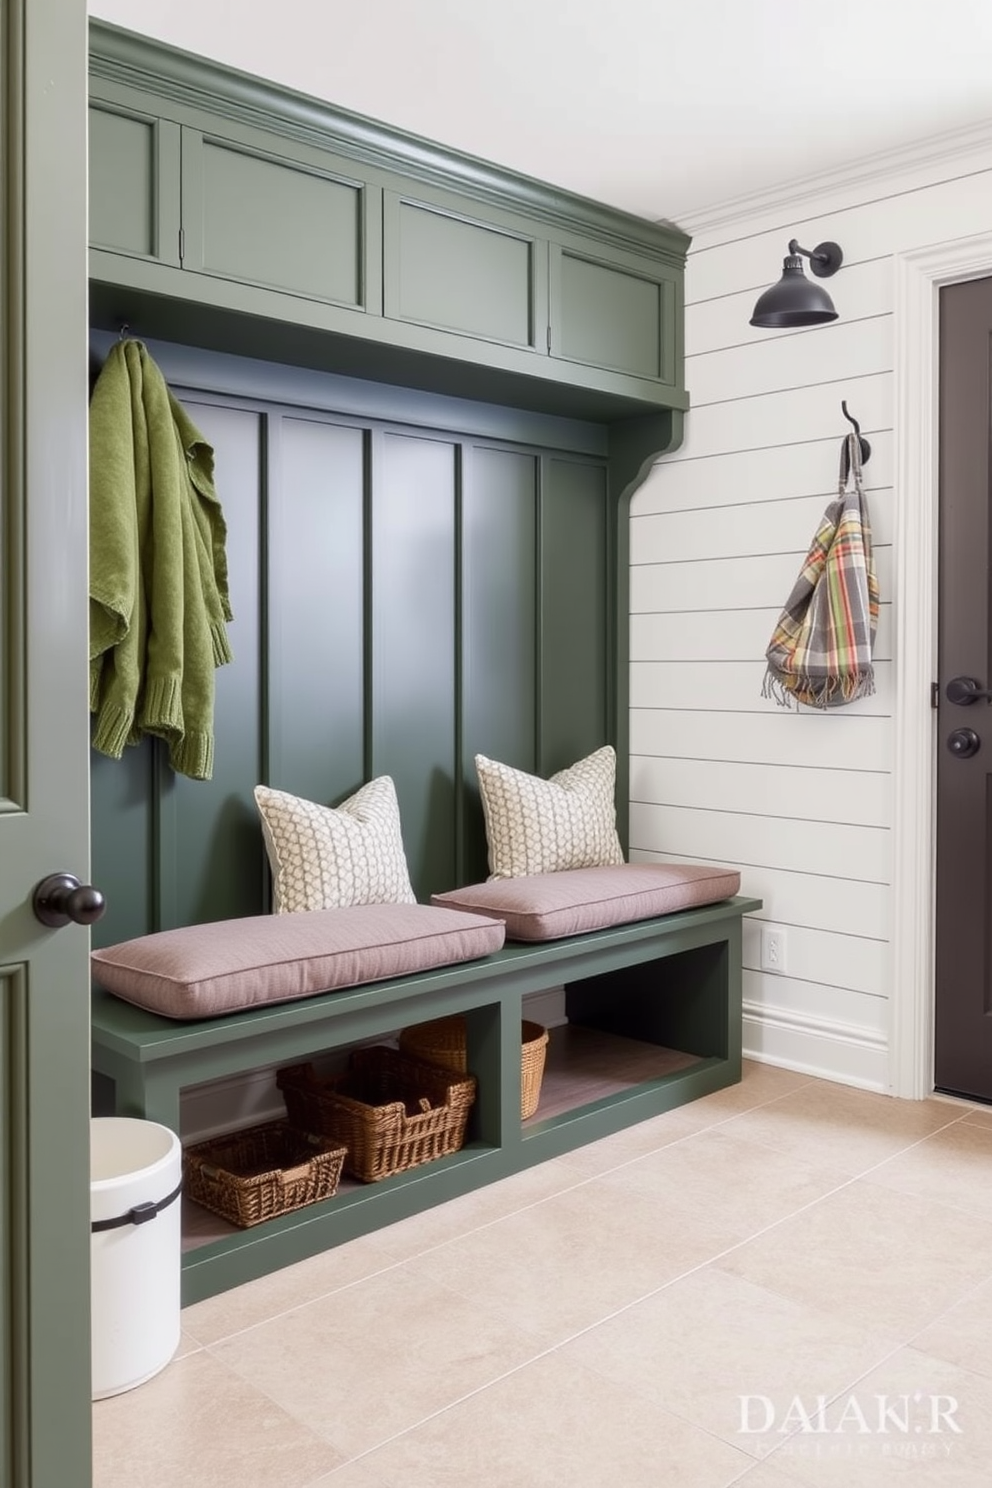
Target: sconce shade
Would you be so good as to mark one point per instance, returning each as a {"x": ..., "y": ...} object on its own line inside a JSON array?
[{"x": 796, "y": 300}]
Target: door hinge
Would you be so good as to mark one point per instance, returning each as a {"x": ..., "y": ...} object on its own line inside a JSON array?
[
  {"x": 549, "y": 338},
  {"x": 182, "y": 244},
  {"x": 935, "y": 694}
]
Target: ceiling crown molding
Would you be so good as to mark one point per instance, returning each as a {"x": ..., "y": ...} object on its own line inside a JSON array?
[
  {"x": 789, "y": 198},
  {"x": 124, "y": 57}
]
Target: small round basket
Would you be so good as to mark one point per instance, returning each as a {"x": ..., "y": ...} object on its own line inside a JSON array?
[{"x": 443, "y": 1041}]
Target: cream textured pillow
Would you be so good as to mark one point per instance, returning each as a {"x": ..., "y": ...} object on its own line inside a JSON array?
[
  {"x": 325, "y": 857},
  {"x": 545, "y": 826}
]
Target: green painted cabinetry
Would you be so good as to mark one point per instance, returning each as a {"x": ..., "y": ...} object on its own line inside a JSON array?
[
  {"x": 303, "y": 216},
  {"x": 432, "y": 387},
  {"x": 134, "y": 174},
  {"x": 460, "y": 273},
  {"x": 622, "y": 314},
  {"x": 260, "y": 218}
]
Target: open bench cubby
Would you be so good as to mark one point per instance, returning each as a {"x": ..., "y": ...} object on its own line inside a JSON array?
[{"x": 653, "y": 1021}]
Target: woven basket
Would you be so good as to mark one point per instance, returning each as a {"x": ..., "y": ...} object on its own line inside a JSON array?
[
  {"x": 390, "y": 1112},
  {"x": 443, "y": 1041},
  {"x": 261, "y": 1172}
]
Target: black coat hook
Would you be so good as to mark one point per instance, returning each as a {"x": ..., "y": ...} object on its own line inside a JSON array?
[{"x": 865, "y": 446}]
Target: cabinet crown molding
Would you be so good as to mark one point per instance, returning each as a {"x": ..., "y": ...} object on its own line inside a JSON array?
[{"x": 125, "y": 57}]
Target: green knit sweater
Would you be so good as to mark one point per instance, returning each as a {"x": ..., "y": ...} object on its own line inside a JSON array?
[{"x": 158, "y": 567}]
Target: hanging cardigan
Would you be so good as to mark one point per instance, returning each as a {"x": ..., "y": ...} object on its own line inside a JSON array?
[
  {"x": 158, "y": 567},
  {"x": 821, "y": 650}
]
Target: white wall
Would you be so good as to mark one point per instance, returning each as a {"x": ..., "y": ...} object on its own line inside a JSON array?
[{"x": 801, "y": 801}]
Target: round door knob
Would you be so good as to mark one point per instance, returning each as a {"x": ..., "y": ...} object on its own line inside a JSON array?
[
  {"x": 60, "y": 898},
  {"x": 964, "y": 743}
]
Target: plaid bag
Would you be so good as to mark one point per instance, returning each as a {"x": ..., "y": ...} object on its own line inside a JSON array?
[{"x": 820, "y": 652}]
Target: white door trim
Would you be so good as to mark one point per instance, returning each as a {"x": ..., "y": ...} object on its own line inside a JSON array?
[{"x": 918, "y": 277}]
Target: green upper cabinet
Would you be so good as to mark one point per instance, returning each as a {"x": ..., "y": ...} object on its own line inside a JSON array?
[
  {"x": 288, "y": 223},
  {"x": 134, "y": 167},
  {"x": 234, "y": 213},
  {"x": 617, "y": 311},
  {"x": 460, "y": 273}
]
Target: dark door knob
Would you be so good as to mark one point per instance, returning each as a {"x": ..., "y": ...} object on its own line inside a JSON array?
[
  {"x": 966, "y": 690},
  {"x": 60, "y": 898},
  {"x": 964, "y": 743}
]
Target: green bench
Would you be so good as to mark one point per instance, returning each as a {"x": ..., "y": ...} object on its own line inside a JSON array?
[{"x": 674, "y": 981}]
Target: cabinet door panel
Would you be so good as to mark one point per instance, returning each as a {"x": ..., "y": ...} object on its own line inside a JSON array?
[
  {"x": 611, "y": 316},
  {"x": 272, "y": 222},
  {"x": 446, "y": 271},
  {"x": 134, "y": 184}
]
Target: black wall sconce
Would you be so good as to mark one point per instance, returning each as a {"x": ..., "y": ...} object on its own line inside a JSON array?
[{"x": 796, "y": 300}]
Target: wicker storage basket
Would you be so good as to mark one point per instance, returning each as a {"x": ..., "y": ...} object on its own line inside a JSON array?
[
  {"x": 263, "y": 1171},
  {"x": 443, "y": 1041},
  {"x": 390, "y": 1112}
]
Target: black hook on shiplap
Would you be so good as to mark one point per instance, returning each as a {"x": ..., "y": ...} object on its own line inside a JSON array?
[{"x": 865, "y": 446}]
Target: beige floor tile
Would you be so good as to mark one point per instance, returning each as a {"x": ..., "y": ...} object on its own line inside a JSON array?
[
  {"x": 197, "y": 1425},
  {"x": 759, "y": 1083},
  {"x": 953, "y": 1167},
  {"x": 764, "y": 1476},
  {"x": 882, "y": 1261},
  {"x": 925, "y": 1400},
  {"x": 963, "y": 1335},
  {"x": 729, "y": 1235},
  {"x": 573, "y": 1260},
  {"x": 294, "y": 1286},
  {"x": 712, "y": 1349},
  {"x": 556, "y": 1425},
  {"x": 410, "y": 1237},
  {"x": 626, "y": 1146},
  {"x": 373, "y": 1360},
  {"x": 187, "y": 1345},
  {"x": 358, "y": 1475},
  {"x": 843, "y": 1127},
  {"x": 702, "y": 1175}
]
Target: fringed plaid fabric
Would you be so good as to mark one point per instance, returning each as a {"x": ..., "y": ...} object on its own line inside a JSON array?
[{"x": 820, "y": 652}]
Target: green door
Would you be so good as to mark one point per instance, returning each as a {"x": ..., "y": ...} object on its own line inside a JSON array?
[{"x": 44, "y": 1044}]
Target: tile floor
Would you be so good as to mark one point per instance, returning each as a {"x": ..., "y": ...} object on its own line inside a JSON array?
[{"x": 788, "y": 1283}]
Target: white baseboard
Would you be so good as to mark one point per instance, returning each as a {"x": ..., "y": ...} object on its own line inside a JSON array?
[
  {"x": 816, "y": 1046},
  {"x": 546, "y": 1007},
  {"x": 245, "y": 1100},
  {"x": 227, "y": 1105}
]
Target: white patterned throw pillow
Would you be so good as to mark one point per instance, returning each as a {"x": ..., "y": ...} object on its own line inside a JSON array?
[
  {"x": 325, "y": 857},
  {"x": 546, "y": 826}
]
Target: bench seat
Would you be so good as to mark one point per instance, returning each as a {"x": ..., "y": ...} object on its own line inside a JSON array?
[{"x": 673, "y": 981}]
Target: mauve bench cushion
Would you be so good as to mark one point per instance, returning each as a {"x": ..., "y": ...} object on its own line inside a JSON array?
[
  {"x": 203, "y": 971},
  {"x": 547, "y": 906}
]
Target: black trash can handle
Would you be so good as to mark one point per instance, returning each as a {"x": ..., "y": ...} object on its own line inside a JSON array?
[{"x": 140, "y": 1214}]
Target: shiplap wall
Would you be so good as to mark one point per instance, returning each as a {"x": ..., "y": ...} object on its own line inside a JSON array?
[{"x": 800, "y": 800}]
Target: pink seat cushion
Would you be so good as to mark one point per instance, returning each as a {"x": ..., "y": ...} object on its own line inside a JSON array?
[
  {"x": 546, "y": 906},
  {"x": 202, "y": 971}
]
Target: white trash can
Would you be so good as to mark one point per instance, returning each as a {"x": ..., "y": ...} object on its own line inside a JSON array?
[{"x": 136, "y": 1250}]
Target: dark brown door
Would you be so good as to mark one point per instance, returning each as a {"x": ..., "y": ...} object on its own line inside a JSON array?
[{"x": 963, "y": 1031}]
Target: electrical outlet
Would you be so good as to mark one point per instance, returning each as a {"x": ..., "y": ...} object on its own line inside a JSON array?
[{"x": 773, "y": 951}]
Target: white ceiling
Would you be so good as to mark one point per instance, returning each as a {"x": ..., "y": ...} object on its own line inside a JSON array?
[{"x": 663, "y": 108}]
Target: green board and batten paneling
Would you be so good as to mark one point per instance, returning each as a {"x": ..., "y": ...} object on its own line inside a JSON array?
[{"x": 403, "y": 598}]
